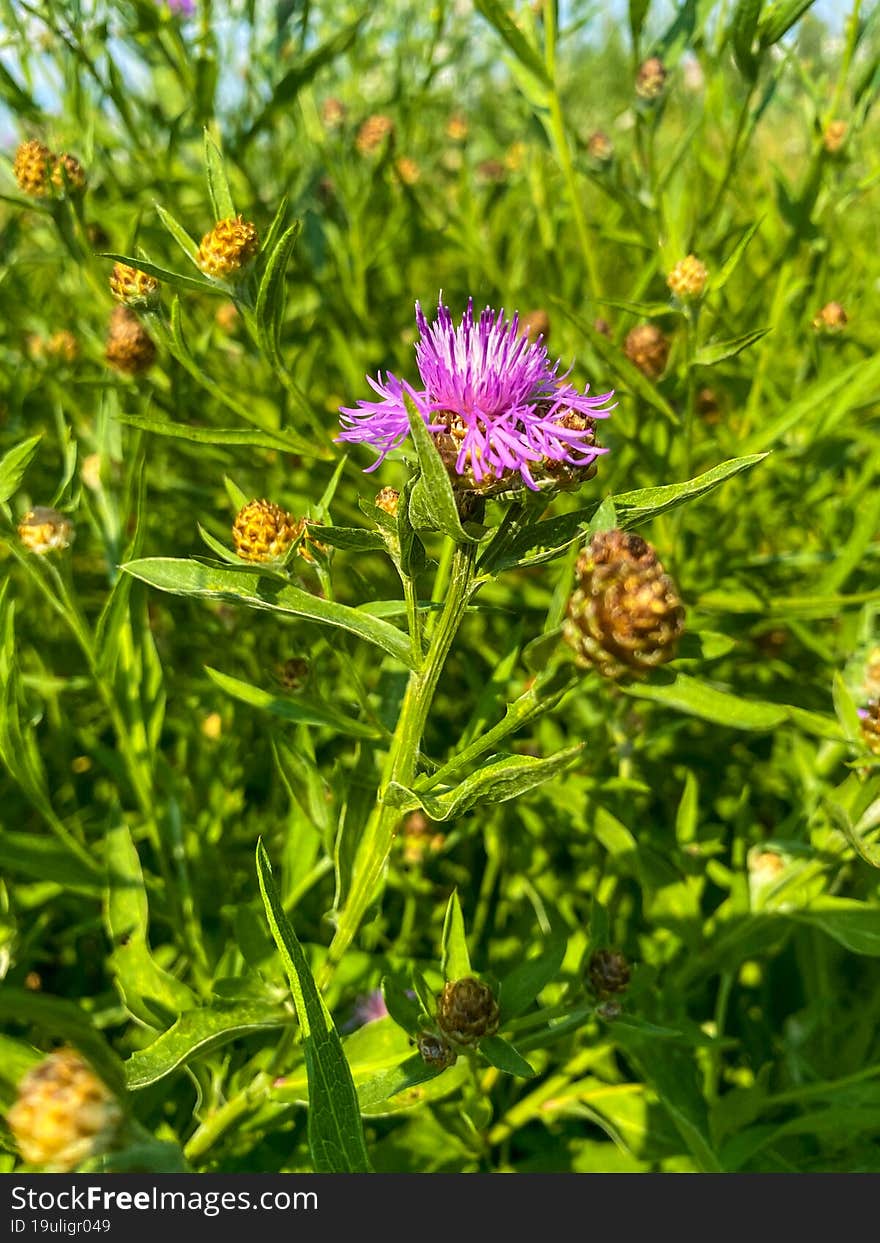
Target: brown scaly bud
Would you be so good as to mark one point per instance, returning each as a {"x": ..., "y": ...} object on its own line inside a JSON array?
[
  {"x": 870, "y": 718},
  {"x": 564, "y": 475},
  {"x": 831, "y": 319},
  {"x": 44, "y": 530},
  {"x": 708, "y": 407},
  {"x": 62, "y": 346},
  {"x": 373, "y": 133},
  {"x": 648, "y": 348},
  {"x": 64, "y": 1113},
  {"x": 68, "y": 175},
  {"x": 31, "y": 166},
  {"x": 651, "y": 79},
  {"x": 435, "y": 1051},
  {"x": 535, "y": 324},
  {"x": 602, "y": 325},
  {"x": 263, "y": 531},
  {"x": 600, "y": 148},
  {"x": 333, "y": 113},
  {"x": 131, "y": 286},
  {"x": 130, "y": 348},
  {"x": 228, "y": 247},
  {"x": 834, "y": 136},
  {"x": 293, "y": 674},
  {"x": 388, "y": 499},
  {"x": 608, "y": 973},
  {"x": 625, "y": 616},
  {"x": 467, "y": 1011},
  {"x": 687, "y": 280},
  {"x": 407, "y": 170}
]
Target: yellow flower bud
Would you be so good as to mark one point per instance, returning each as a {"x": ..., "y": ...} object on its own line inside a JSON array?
[
  {"x": 44, "y": 530},
  {"x": 263, "y": 531},
  {"x": 31, "y": 168},
  {"x": 228, "y": 247},
  {"x": 687, "y": 280},
  {"x": 131, "y": 286}
]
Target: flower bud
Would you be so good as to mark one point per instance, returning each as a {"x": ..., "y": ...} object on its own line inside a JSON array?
[
  {"x": 263, "y": 531},
  {"x": 831, "y": 319},
  {"x": 31, "y": 168},
  {"x": 608, "y": 972},
  {"x": 834, "y": 136},
  {"x": 870, "y": 719},
  {"x": 687, "y": 280},
  {"x": 333, "y": 113},
  {"x": 535, "y": 324},
  {"x": 373, "y": 133},
  {"x": 648, "y": 348},
  {"x": 388, "y": 499},
  {"x": 131, "y": 286},
  {"x": 457, "y": 128},
  {"x": 44, "y": 530},
  {"x": 68, "y": 175},
  {"x": 62, "y": 346},
  {"x": 467, "y": 1011},
  {"x": 226, "y": 317},
  {"x": 408, "y": 171},
  {"x": 130, "y": 348},
  {"x": 708, "y": 406},
  {"x": 435, "y": 1051},
  {"x": 600, "y": 148},
  {"x": 64, "y": 1113},
  {"x": 651, "y": 79},
  {"x": 292, "y": 674},
  {"x": 625, "y": 616},
  {"x": 227, "y": 248}
]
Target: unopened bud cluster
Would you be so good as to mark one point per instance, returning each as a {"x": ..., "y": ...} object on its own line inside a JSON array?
[
  {"x": 227, "y": 248},
  {"x": 388, "y": 500},
  {"x": 625, "y": 616},
  {"x": 608, "y": 973},
  {"x": 467, "y": 1011},
  {"x": 687, "y": 280},
  {"x": 64, "y": 1113},
  {"x": 129, "y": 348},
  {"x": 600, "y": 148},
  {"x": 373, "y": 133},
  {"x": 831, "y": 319},
  {"x": 131, "y": 286},
  {"x": 651, "y": 79},
  {"x": 39, "y": 172},
  {"x": 44, "y": 530},
  {"x": 263, "y": 531},
  {"x": 648, "y": 349},
  {"x": 436, "y": 1051}
]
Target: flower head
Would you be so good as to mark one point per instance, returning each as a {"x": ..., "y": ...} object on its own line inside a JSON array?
[
  {"x": 226, "y": 249},
  {"x": 64, "y": 1113},
  {"x": 467, "y": 1011},
  {"x": 31, "y": 168},
  {"x": 491, "y": 397},
  {"x": 44, "y": 530}
]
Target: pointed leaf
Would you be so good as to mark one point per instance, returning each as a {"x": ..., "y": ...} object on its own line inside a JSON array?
[
  {"x": 523, "y": 984},
  {"x": 503, "y": 1056},
  {"x": 191, "y": 578},
  {"x": 432, "y": 504},
  {"x": 456, "y": 960},
  {"x": 198, "y": 1032},
  {"x": 218, "y": 186},
  {"x": 336, "y": 1135}
]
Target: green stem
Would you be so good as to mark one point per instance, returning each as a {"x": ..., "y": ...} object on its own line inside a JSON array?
[{"x": 400, "y": 763}]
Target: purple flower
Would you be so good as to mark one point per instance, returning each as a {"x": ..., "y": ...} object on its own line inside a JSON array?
[
  {"x": 367, "y": 1009},
  {"x": 183, "y": 8},
  {"x": 490, "y": 394}
]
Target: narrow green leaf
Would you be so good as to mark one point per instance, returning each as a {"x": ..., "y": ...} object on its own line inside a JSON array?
[
  {"x": 41, "y": 858},
  {"x": 13, "y": 465},
  {"x": 198, "y": 1032},
  {"x": 187, "y": 244},
  {"x": 523, "y": 984},
  {"x": 269, "y": 309},
  {"x": 645, "y": 503},
  {"x": 455, "y": 959},
  {"x": 495, "y": 782},
  {"x": 191, "y": 578},
  {"x": 503, "y": 1056},
  {"x": 336, "y": 1136},
  {"x": 432, "y": 504},
  {"x": 720, "y": 279},
  {"x": 353, "y": 539},
  {"x": 697, "y": 698},
  {"x": 150, "y": 993},
  {"x": 176, "y": 279},
  {"x": 855, "y": 925},
  {"x": 218, "y": 186},
  {"x": 289, "y": 708},
  {"x": 780, "y": 18},
  {"x": 409, "y": 1085},
  {"x": 285, "y": 441},
  {"x": 742, "y": 34},
  {"x": 497, "y": 15},
  {"x": 717, "y": 351}
]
